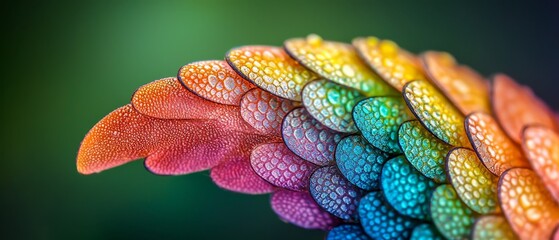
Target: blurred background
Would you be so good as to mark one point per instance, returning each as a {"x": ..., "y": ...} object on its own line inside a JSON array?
[{"x": 68, "y": 63}]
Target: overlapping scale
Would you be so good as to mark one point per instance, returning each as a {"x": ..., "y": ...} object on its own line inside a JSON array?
[
  {"x": 406, "y": 189},
  {"x": 436, "y": 113},
  {"x": 496, "y": 150},
  {"x": 492, "y": 227},
  {"x": 475, "y": 185},
  {"x": 338, "y": 62},
  {"x": 516, "y": 107},
  {"x": 360, "y": 162},
  {"x": 528, "y": 206},
  {"x": 378, "y": 120},
  {"x": 237, "y": 175},
  {"x": 393, "y": 64},
  {"x": 347, "y": 232},
  {"x": 168, "y": 99},
  {"x": 300, "y": 209},
  {"x": 331, "y": 104},
  {"x": 423, "y": 150},
  {"x": 452, "y": 218},
  {"x": 215, "y": 81},
  {"x": 271, "y": 69},
  {"x": 468, "y": 90},
  {"x": 264, "y": 111},
  {"x": 541, "y": 146},
  {"x": 170, "y": 146},
  {"x": 426, "y": 231},
  {"x": 275, "y": 163},
  {"x": 334, "y": 193},
  {"x": 380, "y": 221},
  {"x": 308, "y": 138}
]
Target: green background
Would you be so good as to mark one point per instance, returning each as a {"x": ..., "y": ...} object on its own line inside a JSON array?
[{"x": 67, "y": 64}]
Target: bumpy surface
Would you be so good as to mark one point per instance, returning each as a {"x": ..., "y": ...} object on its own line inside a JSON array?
[
  {"x": 331, "y": 104},
  {"x": 265, "y": 111},
  {"x": 516, "y": 106},
  {"x": 308, "y": 138},
  {"x": 426, "y": 232},
  {"x": 392, "y": 63},
  {"x": 215, "y": 81},
  {"x": 437, "y": 114},
  {"x": 275, "y": 163},
  {"x": 492, "y": 227},
  {"x": 380, "y": 221},
  {"x": 462, "y": 85},
  {"x": 270, "y": 68},
  {"x": 378, "y": 120},
  {"x": 450, "y": 215},
  {"x": 359, "y": 162},
  {"x": 347, "y": 232},
  {"x": 497, "y": 151},
  {"x": 529, "y": 208},
  {"x": 475, "y": 185},
  {"x": 542, "y": 148},
  {"x": 406, "y": 189},
  {"x": 300, "y": 209},
  {"x": 334, "y": 193},
  {"x": 423, "y": 150},
  {"x": 338, "y": 62},
  {"x": 426, "y": 149}
]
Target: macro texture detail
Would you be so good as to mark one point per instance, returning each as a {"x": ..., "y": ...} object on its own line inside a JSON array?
[{"x": 363, "y": 140}]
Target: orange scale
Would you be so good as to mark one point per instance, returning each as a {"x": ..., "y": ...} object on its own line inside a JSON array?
[
  {"x": 468, "y": 90},
  {"x": 215, "y": 81},
  {"x": 529, "y": 208},
  {"x": 541, "y": 146},
  {"x": 492, "y": 145},
  {"x": 516, "y": 107}
]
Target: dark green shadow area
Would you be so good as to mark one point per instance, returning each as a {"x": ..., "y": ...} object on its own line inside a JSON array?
[{"x": 68, "y": 63}]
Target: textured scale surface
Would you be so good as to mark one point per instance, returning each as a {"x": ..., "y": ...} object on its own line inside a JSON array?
[
  {"x": 406, "y": 189},
  {"x": 271, "y": 69},
  {"x": 516, "y": 107},
  {"x": 426, "y": 232},
  {"x": 264, "y": 111},
  {"x": 380, "y": 221},
  {"x": 529, "y": 208},
  {"x": 452, "y": 217},
  {"x": 300, "y": 209},
  {"x": 496, "y": 150},
  {"x": 378, "y": 120},
  {"x": 331, "y": 104},
  {"x": 360, "y": 162},
  {"x": 215, "y": 81},
  {"x": 423, "y": 150},
  {"x": 541, "y": 146},
  {"x": 275, "y": 163},
  {"x": 392, "y": 63},
  {"x": 363, "y": 140},
  {"x": 475, "y": 185},
  {"x": 463, "y": 86},
  {"x": 436, "y": 113},
  {"x": 492, "y": 227},
  {"x": 334, "y": 193},
  {"x": 347, "y": 232},
  {"x": 308, "y": 138},
  {"x": 338, "y": 62}
]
